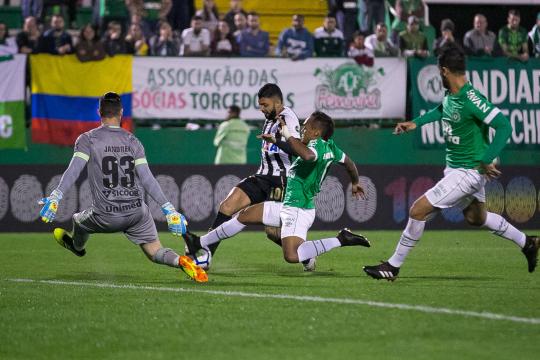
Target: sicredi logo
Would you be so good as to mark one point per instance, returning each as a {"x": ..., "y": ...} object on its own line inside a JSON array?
[{"x": 430, "y": 84}]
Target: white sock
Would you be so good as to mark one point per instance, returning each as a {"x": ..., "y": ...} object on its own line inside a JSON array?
[
  {"x": 311, "y": 249},
  {"x": 224, "y": 231},
  {"x": 499, "y": 226},
  {"x": 408, "y": 240}
]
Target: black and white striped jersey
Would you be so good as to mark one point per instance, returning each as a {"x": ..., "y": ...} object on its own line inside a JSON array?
[{"x": 274, "y": 161}]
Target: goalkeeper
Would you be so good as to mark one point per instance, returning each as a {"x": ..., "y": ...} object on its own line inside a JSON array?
[{"x": 117, "y": 168}]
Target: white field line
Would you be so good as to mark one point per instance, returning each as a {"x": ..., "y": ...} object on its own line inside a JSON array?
[{"x": 418, "y": 308}]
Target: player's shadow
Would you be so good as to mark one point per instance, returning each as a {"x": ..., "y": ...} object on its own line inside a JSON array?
[{"x": 453, "y": 278}]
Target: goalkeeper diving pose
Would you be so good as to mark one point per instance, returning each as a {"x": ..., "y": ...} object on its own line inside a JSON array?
[
  {"x": 315, "y": 153},
  {"x": 117, "y": 168}
]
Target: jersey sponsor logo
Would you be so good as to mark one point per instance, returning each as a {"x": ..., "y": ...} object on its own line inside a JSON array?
[
  {"x": 453, "y": 139},
  {"x": 476, "y": 100},
  {"x": 122, "y": 192},
  {"x": 270, "y": 148},
  {"x": 123, "y": 207},
  {"x": 328, "y": 156}
]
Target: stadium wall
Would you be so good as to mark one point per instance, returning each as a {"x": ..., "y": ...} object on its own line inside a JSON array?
[
  {"x": 174, "y": 146},
  {"x": 197, "y": 191}
]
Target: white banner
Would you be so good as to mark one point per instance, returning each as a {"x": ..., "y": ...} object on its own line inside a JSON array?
[{"x": 203, "y": 88}]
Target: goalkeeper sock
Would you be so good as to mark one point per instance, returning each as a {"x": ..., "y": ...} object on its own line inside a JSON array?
[
  {"x": 500, "y": 227},
  {"x": 80, "y": 236},
  {"x": 311, "y": 249},
  {"x": 166, "y": 256},
  {"x": 223, "y": 231},
  {"x": 408, "y": 240}
]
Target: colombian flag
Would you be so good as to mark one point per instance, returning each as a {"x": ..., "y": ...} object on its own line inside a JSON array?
[{"x": 66, "y": 92}]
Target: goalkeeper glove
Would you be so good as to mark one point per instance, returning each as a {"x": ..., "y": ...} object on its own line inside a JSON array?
[
  {"x": 50, "y": 206},
  {"x": 176, "y": 222}
]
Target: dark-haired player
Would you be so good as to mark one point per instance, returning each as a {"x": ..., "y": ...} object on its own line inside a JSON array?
[
  {"x": 117, "y": 172},
  {"x": 315, "y": 152},
  {"x": 269, "y": 182},
  {"x": 466, "y": 116}
]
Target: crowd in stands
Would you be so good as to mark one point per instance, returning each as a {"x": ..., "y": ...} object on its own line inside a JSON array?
[{"x": 159, "y": 28}]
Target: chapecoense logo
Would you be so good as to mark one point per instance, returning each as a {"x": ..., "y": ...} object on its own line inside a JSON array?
[{"x": 347, "y": 88}]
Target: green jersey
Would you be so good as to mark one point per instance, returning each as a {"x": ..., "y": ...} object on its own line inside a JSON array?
[
  {"x": 513, "y": 39},
  {"x": 466, "y": 117},
  {"x": 305, "y": 177}
]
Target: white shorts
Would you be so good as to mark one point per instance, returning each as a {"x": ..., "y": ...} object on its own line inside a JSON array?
[
  {"x": 293, "y": 221},
  {"x": 458, "y": 187}
]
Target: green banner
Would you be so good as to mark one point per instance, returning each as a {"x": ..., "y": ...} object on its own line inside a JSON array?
[
  {"x": 513, "y": 86},
  {"x": 12, "y": 125},
  {"x": 12, "y": 87}
]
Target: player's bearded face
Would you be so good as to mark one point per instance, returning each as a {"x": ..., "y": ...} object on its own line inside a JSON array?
[
  {"x": 268, "y": 108},
  {"x": 444, "y": 78}
]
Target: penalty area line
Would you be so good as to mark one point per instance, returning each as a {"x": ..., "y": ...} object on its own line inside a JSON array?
[{"x": 318, "y": 299}]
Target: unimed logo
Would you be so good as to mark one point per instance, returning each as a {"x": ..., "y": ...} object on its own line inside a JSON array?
[
  {"x": 6, "y": 126},
  {"x": 430, "y": 84}
]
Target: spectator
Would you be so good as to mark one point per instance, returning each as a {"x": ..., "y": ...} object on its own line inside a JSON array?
[
  {"x": 231, "y": 139},
  {"x": 89, "y": 47},
  {"x": 31, "y": 8},
  {"x": 447, "y": 35},
  {"x": 137, "y": 41},
  {"x": 180, "y": 14},
  {"x": 379, "y": 43},
  {"x": 209, "y": 15},
  {"x": 8, "y": 44},
  {"x": 150, "y": 12},
  {"x": 114, "y": 40},
  {"x": 411, "y": 41},
  {"x": 358, "y": 50},
  {"x": 240, "y": 23},
  {"x": 253, "y": 41},
  {"x": 534, "y": 37},
  {"x": 164, "y": 44},
  {"x": 106, "y": 11},
  {"x": 295, "y": 42},
  {"x": 328, "y": 39},
  {"x": 28, "y": 39},
  {"x": 56, "y": 40},
  {"x": 223, "y": 43},
  {"x": 404, "y": 10},
  {"x": 196, "y": 39},
  {"x": 376, "y": 12},
  {"x": 235, "y": 8},
  {"x": 513, "y": 38},
  {"x": 480, "y": 41},
  {"x": 145, "y": 26}
]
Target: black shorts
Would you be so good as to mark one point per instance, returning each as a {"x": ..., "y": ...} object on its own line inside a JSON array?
[{"x": 260, "y": 188}]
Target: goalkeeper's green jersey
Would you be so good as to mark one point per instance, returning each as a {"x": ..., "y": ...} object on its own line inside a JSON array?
[
  {"x": 466, "y": 117},
  {"x": 305, "y": 177}
]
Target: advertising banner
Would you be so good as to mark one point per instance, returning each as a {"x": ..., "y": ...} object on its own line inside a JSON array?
[
  {"x": 198, "y": 190},
  {"x": 201, "y": 88},
  {"x": 512, "y": 86},
  {"x": 12, "y": 121}
]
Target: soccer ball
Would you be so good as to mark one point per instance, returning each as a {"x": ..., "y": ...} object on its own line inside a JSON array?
[{"x": 203, "y": 258}]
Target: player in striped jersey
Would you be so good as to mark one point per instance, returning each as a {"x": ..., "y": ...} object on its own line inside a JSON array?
[
  {"x": 466, "y": 117},
  {"x": 269, "y": 182},
  {"x": 315, "y": 153},
  {"x": 117, "y": 172}
]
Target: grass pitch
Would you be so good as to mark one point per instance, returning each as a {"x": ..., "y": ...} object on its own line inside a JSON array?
[{"x": 474, "y": 300}]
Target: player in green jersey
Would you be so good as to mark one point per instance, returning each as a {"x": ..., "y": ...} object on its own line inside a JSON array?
[
  {"x": 316, "y": 151},
  {"x": 466, "y": 116}
]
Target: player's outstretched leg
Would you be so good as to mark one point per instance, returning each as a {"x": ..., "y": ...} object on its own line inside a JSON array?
[
  {"x": 166, "y": 256},
  {"x": 64, "y": 239},
  {"x": 311, "y": 249},
  {"x": 530, "y": 250}
]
